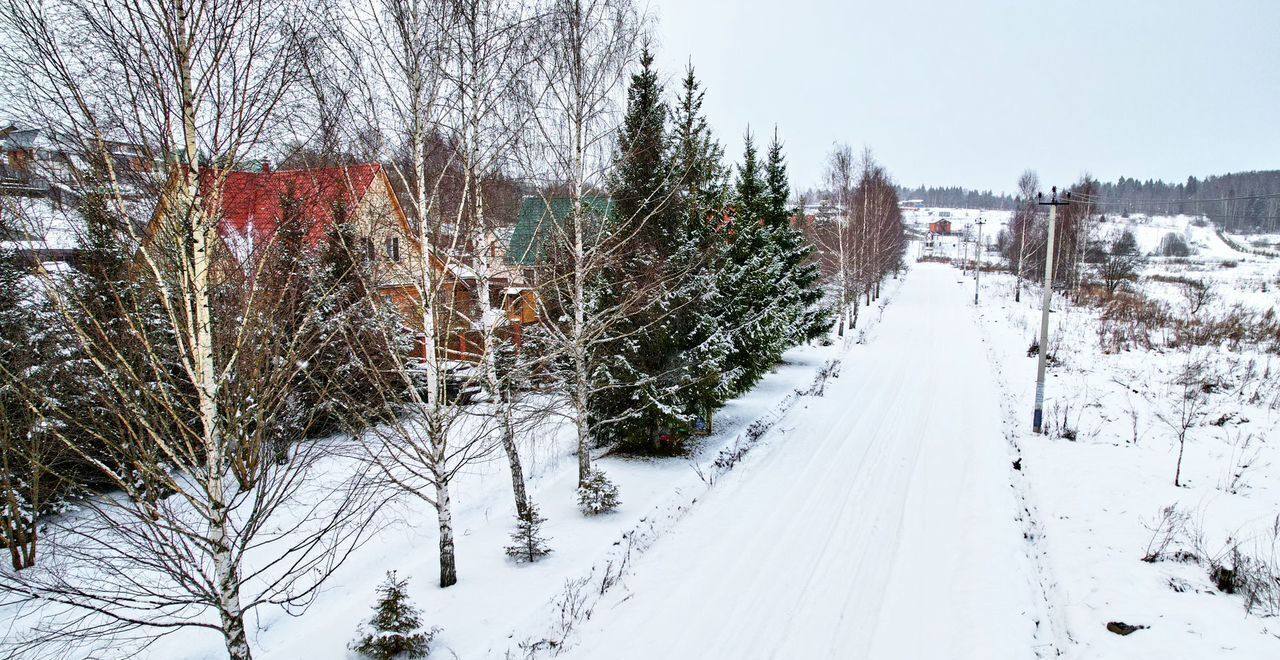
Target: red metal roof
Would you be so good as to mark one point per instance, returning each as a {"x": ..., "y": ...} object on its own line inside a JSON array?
[{"x": 251, "y": 201}]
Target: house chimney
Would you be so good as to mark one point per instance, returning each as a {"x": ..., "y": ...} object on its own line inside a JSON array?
[{"x": 266, "y": 166}]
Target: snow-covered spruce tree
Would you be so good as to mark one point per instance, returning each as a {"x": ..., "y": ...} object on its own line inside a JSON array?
[
  {"x": 800, "y": 287},
  {"x": 598, "y": 495},
  {"x": 527, "y": 542},
  {"x": 108, "y": 309},
  {"x": 24, "y": 484},
  {"x": 286, "y": 270},
  {"x": 636, "y": 409},
  {"x": 395, "y": 630},
  {"x": 755, "y": 313},
  {"x": 696, "y": 325},
  {"x": 49, "y": 368},
  {"x": 350, "y": 380},
  {"x": 670, "y": 174}
]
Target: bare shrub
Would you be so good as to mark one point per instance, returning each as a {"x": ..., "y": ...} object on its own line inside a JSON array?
[
  {"x": 1135, "y": 417},
  {"x": 1171, "y": 279},
  {"x": 1258, "y": 574},
  {"x": 1173, "y": 245},
  {"x": 1233, "y": 569},
  {"x": 831, "y": 369},
  {"x": 1060, "y": 422},
  {"x": 1168, "y": 528},
  {"x": 1254, "y": 574},
  {"x": 1234, "y": 329},
  {"x": 572, "y": 607},
  {"x": 1197, "y": 294},
  {"x": 1128, "y": 320},
  {"x": 1245, "y": 459}
]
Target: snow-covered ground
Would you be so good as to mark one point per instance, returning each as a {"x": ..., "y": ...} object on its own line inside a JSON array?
[
  {"x": 1237, "y": 277},
  {"x": 1101, "y": 478},
  {"x": 910, "y": 512},
  {"x": 499, "y": 608},
  {"x": 1149, "y": 231}
]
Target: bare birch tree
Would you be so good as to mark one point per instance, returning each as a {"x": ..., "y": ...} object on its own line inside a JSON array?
[
  {"x": 586, "y": 48},
  {"x": 864, "y": 241},
  {"x": 834, "y": 236},
  {"x": 205, "y": 515},
  {"x": 1021, "y": 226},
  {"x": 411, "y": 63},
  {"x": 487, "y": 105}
]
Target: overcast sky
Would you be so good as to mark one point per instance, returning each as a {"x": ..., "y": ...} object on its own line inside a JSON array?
[{"x": 971, "y": 92}]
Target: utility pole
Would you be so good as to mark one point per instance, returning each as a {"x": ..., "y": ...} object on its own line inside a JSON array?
[
  {"x": 977, "y": 270},
  {"x": 1053, "y": 204},
  {"x": 964, "y": 259}
]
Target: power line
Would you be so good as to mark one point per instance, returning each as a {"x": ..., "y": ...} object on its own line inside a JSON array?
[{"x": 1101, "y": 199}]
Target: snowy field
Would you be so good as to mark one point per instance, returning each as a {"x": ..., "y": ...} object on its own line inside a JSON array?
[
  {"x": 1103, "y": 478},
  {"x": 1149, "y": 231},
  {"x": 1238, "y": 277}
]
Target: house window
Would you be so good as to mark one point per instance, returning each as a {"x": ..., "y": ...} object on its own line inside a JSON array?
[
  {"x": 393, "y": 248},
  {"x": 368, "y": 250}
]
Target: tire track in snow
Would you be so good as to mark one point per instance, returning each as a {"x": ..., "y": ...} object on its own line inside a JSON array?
[
  {"x": 797, "y": 500},
  {"x": 1054, "y": 632}
]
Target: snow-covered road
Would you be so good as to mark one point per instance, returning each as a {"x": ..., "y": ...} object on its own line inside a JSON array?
[{"x": 877, "y": 521}]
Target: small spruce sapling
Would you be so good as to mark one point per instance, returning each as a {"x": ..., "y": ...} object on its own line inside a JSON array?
[
  {"x": 395, "y": 630},
  {"x": 527, "y": 543},
  {"x": 597, "y": 494}
]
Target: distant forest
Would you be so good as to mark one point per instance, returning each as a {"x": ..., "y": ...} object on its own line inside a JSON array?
[
  {"x": 1244, "y": 202},
  {"x": 957, "y": 198}
]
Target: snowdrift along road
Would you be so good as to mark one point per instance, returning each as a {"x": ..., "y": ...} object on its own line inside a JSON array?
[{"x": 877, "y": 522}]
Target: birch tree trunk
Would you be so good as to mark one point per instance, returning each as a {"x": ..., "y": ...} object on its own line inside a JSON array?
[
  {"x": 489, "y": 33},
  {"x": 493, "y": 382},
  {"x": 225, "y": 561},
  {"x": 581, "y": 352},
  {"x": 448, "y": 560}
]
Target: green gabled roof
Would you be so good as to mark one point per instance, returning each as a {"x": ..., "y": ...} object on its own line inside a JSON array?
[{"x": 536, "y": 217}]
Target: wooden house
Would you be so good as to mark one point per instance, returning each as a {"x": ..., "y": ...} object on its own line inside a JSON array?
[{"x": 252, "y": 206}]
